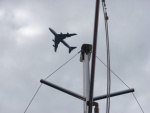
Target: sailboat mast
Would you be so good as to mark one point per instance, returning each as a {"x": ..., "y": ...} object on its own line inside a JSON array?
[
  {"x": 93, "y": 56},
  {"x": 85, "y": 58}
]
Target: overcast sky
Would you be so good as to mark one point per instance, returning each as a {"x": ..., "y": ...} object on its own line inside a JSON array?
[{"x": 27, "y": 54}]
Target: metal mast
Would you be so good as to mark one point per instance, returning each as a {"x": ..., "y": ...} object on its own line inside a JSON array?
[
  {"x": 85, "y": 58},
  {"x": 93, "y": 56}
]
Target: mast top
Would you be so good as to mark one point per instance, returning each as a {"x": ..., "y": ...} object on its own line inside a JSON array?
[{"x": 86, "y": 48}]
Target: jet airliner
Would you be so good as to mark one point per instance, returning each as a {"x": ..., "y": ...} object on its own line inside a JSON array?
[{"x": 60, "y": 38}]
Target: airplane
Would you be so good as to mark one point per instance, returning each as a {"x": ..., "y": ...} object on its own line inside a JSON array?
[{"x": 60, "y": 38}]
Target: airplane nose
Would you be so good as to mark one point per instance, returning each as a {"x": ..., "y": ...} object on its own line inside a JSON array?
[
  {"x": 51, "y": 29},
  {"x": 74, "y": 34}
]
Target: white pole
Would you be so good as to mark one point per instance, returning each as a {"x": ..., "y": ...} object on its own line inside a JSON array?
[{"x": 85, "y": 58}]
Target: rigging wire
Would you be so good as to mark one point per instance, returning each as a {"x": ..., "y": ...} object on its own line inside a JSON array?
[
  {"x": 33, "y": 98},
  {"x": 113, "y": 73},
  {"x": 108, "y": 64},
  {"x": 63, "y": 64},
  {"x": 47, "y": 78},
  {"x": 122, "y": 82},
  {"x": 138, "y": 102},
  {"x": 108, "y": 57}
]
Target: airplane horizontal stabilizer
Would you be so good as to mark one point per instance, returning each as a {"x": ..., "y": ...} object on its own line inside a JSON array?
[{"x": 71, "y": 48}]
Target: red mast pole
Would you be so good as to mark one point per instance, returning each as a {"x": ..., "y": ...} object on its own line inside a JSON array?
[{"x": 93, "y": 56}]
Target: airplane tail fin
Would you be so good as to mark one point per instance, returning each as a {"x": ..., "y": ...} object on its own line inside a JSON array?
[{"x": 71, "y": 48}]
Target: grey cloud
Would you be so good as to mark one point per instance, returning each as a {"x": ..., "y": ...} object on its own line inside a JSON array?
[{"x": 24, "y": 63}]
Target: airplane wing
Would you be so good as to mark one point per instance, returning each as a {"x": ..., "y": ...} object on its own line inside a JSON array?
[{"x": 63, "y": 36}]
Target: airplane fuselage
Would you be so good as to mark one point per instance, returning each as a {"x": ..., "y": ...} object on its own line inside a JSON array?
[{"x": 58, "y": 37}]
